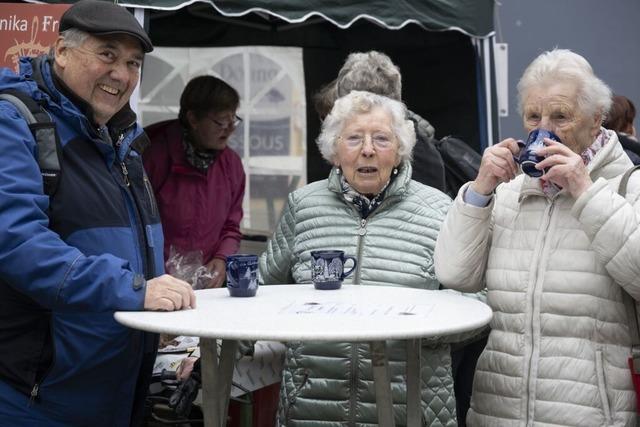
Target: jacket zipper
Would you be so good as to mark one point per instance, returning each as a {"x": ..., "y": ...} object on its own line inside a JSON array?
[
  {"x": 34, "y": 393},
  {"x": 141, "y": 239},
  {"x": 35, "y": 390},
  {"x": 353, "y": 396},
  {"x": 152, "y": 199},
  {"x": 123, "y": 167},
  {"x": 545, "y": 230},
  {"x": 125, "y": 174},
  {"x": 361, "y": 233}
]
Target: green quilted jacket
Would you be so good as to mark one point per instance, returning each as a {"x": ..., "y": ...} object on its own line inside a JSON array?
[{"x": 331, "y": 384}]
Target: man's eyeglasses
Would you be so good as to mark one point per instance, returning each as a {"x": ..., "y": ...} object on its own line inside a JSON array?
[{"x": 227, "y": 123}]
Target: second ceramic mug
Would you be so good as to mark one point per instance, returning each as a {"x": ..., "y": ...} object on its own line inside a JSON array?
[
  {"x": 528, "y": 159},
  {"x": 328, "y": 268},
  {"x": 242, "y": 275}
]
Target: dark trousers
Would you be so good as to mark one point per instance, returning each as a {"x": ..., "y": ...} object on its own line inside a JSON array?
[
  {"x": 463, "y": 364},
  {"x": 144, "y": 379}
]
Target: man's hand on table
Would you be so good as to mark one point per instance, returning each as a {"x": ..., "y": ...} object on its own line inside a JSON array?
[{"x": 166, "y": 293}]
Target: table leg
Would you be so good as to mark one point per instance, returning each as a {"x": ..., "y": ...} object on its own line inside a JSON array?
[
  {"x": 227, "y": 362},
  {"x": 384, "y": 401},
  {"x": 414, "y": 411},
  {"x": 217, "y": 373}
]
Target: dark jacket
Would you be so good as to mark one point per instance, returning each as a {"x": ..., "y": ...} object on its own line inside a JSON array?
[
  {"x": 427, "y": 163},
  {"x": 68, "y": 263},
  {"x": 631, "y": 147}
]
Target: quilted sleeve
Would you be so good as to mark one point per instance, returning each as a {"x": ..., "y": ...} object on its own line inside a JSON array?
[
  {"x": 276, "y": 261},
  {"x": 462, "y": 247},
  {"x": 612, "y": 223}
]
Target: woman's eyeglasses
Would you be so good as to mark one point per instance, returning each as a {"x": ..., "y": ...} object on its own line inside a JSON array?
[
  {"x": 226, "y": 123},
  {"x": 380, "y": 141}
]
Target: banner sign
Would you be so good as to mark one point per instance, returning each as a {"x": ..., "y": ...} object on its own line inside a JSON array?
[{"x": 27, "y": 30}]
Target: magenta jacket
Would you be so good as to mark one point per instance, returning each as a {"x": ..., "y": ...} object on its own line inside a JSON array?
[{"x": 199, "y": 211}]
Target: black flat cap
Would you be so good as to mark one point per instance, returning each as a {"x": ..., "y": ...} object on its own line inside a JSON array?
[{"x": 104, "y": 18}]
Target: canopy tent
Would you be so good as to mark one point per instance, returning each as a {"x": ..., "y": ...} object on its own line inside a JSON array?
[
  {"x": 443, "y": 48},
  {"x": 472, "y": 17}
]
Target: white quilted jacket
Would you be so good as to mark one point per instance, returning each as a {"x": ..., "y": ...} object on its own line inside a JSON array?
[{"x": 557, "y": 352}]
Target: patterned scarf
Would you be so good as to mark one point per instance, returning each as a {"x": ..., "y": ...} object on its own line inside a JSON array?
[
  {"x": 363, "y": 204},
  {"x": 587, "y": 155},
  {"x": 199, "y": 159}
]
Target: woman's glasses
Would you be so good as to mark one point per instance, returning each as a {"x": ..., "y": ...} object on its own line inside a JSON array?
[
  {"x": 380, "y": 141},
  {"x": 225, "y": 124}
]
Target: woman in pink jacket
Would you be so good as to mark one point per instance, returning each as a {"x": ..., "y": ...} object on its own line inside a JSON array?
[{"x": 197, "y": 179}]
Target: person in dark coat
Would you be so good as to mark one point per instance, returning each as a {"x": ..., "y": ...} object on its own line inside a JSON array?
[{"x": 620, "y": 119}]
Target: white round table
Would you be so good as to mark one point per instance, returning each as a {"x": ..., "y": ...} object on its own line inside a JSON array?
[{"x": 298, "y": 312}]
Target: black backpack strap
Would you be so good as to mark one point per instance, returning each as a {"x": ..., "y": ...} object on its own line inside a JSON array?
[{"x": 45, "y": 134}]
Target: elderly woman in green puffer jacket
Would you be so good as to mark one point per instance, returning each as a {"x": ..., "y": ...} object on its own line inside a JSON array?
[{"x": 370, "y": 208}]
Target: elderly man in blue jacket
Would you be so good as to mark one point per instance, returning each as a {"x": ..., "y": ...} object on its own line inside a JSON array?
[{"x": 71, "y": 258}]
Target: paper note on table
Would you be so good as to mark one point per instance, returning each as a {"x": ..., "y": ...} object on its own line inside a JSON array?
[{"x": 361, "y": 310}]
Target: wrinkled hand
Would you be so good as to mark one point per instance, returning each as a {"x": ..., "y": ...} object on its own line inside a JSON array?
[
  {"x": 186, "y": 367},
  {"x": 167, "y": 293},
  {"x": 218, "y": 269},
  {"x": 566, "y": 168},
  {"x": 497, "y": 166}
]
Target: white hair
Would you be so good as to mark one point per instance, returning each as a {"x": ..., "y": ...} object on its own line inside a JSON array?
[
  {"x": 359, "y": 102},
  {"x": 594, "y": 96}
]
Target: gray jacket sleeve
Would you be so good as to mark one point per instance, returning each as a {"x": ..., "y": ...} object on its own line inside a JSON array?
[{"x": 276, "y": 261}]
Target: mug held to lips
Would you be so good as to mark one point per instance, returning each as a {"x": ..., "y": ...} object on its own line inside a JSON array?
[
  {"x": 527, "y": 158},
  {"x": 242, "y": 275},
  {"x": 328, "y": 268}
]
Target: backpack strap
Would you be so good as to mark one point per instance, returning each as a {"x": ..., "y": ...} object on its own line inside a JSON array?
[
  {"x": 45, "y": 134},
  {"x": 629, "y": 302}
]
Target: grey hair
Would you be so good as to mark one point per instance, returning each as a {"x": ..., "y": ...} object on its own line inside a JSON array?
[
  {"x": 359, "y": 102},
  {"x": 74, "y": 37},
  {"x": 372, "y": 71},
  {"x": 594, "y": 96}
]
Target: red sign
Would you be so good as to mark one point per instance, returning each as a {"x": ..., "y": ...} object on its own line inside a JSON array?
[{"x": 27, "y": 30}]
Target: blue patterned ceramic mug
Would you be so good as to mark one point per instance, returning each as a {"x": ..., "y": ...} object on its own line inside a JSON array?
[
  {"x": 328, "y": 268},
  {"x": 242, "y": 275},
  {"x": 527, "y": 158}
]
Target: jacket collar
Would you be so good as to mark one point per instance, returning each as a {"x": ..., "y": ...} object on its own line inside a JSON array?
[{"x": 397, "y": 186}]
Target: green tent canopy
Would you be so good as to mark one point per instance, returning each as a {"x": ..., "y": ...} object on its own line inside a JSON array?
[{"x": 471, "y": 17}]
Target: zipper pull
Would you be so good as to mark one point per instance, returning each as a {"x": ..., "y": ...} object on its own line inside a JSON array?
[
  {"x": 34, "y": 393},
  {"x": 363, "y": 227},
  {"x": 125, "y": 173},
  {"x": 119, "y": 141}
]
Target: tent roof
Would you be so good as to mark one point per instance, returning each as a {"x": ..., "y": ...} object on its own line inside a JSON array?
[{"x": 471, "y": 17}]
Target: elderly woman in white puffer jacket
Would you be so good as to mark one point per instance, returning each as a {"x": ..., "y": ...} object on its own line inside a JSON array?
[{"x": 556, "y": 254}]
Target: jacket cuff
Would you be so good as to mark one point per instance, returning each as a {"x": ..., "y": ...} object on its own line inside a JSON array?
[{"x": 469, "y": 209}]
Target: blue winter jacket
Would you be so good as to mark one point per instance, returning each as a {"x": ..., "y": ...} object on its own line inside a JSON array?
[{"x": 69, "y": 261}]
